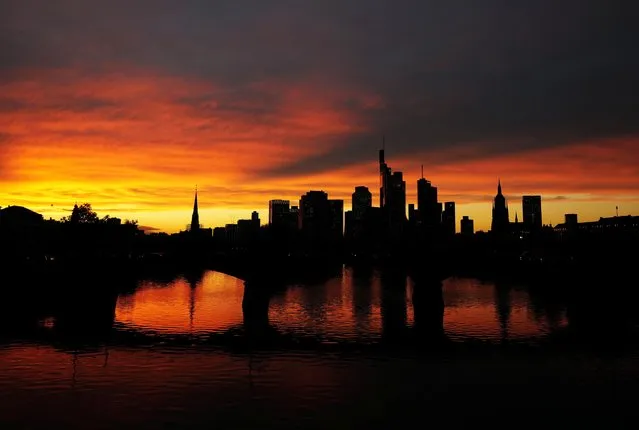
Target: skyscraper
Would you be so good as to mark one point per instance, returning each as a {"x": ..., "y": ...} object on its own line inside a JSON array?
[
  {"x": 392, "y": 197},
  {"x": 384, "y": 174},
  {"x": 467, "y": 226},
  {"x": 501, "y": 221},
  {"x": 315, "y": 215},
  {"x": 278, "y": 211},
  {"x": 362, "y": 201},
  {"x": 448, "y": 219},
  {"x": 429, "y": 210},
  {"x": 195, "y": 218},
  {"x": 336, "y": 208},
  {"x": 532, "y": 212}
]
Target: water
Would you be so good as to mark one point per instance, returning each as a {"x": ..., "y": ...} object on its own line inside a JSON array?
[
  {"x": 350, "y": 351},
  {"x": 343, "y": 309}
]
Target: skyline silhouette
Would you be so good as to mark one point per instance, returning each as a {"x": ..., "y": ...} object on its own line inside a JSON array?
[
  {"x": 540, "y": 94},
  {"x": 318, "y": 214},
  {"x": 499, "y": 203}
]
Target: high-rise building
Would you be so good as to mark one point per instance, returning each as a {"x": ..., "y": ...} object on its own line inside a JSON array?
[
  {"x": 501, "y": 221},
  {"x": 531, "y": 206},
  {"x": 315, "y": 215},
  {"x": 429, "y": 210},
  {"x": 448, "y": 219},
  {"x": 337, "y": 218},
  {"x": 278, "y": 211},
  {"x": 362, "y": 201},
  {"x": 392, "y": 197},
  {"x": 292, "y": 219},
  {"x": 412, "y": 213},
  {"x": 467, "y": 226}
]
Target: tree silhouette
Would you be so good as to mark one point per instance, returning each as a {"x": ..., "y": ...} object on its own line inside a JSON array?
[{"x": 83, "y": 214}]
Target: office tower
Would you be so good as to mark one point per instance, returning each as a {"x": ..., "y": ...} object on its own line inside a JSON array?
[
  {"x": 397, "y": 198},
  {"x": 532, "y": 212},
  {"x": 467, "y": 226},
  {"x": 336, "y": 208},
  {"x": 412, "y": 213},
  {"x": 448, "y": 219},
  {"x": 501, "y": 222},
  {"x": 362, "y": 201},
  {"x": 315, "y": 215},
  {"x": 255, "y": 219},
  {"x": 292, "y": 218},
  {"x": 278, "y": 211},
  {"x": 429, "y": 210},
  {"x": 384, "y": 174},
  {"x": 195, "y": 217},
  {"x": 392, "y": 197}
]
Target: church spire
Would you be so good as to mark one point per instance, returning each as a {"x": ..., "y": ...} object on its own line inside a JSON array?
[{"x": 195, "y": 218}]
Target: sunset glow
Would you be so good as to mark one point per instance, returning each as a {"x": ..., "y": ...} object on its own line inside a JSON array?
[{"x": 101, "y": 116}]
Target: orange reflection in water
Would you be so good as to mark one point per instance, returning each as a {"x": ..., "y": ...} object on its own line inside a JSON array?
[
  {"x": 493, "y": 311},
  {"x": 349, "y": 306},
  {"x": 211, "y": 303}
]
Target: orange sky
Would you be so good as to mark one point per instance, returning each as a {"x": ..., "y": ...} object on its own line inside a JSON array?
[{"x": 135, "y": 144}]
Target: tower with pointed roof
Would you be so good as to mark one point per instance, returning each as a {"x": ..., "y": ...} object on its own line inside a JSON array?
[
  {"x": 500, "y": 223},
  {"x": 195, "y": 218}
]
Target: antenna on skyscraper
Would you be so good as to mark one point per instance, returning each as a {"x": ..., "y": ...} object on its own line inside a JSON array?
[
  {"x": 617, "y": 210},
  {"x": 383, "y": 142},
  {"x": 422, "y": 171}
]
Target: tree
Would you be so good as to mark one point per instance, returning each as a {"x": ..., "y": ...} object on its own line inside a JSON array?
[{"x": 83, "y": 214}]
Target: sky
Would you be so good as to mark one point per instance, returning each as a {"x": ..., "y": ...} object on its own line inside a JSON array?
[{"x": 130, "y": 104}]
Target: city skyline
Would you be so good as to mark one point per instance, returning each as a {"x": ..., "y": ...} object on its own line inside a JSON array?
[
  {"x": 554, "y": 208},
  {"x": 130, "y": 114}
]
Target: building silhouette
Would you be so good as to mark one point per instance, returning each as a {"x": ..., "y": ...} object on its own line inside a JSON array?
[
  {"x": 392, "y": 197},
  {"x": 195, "y": 217},
  {"x": 362, "y": 201},
  {"x": 448, "y": 219},
  {"x": 429, "y": 210},
  {"x": 315, "y": 216},
  {"x": 531, "y": 206},
  {"x": 336, "y": 208},
  {"x": 467, "y": 226},
  {"x": 19, "y": 217},
  {"x": 500, "y": 222},
  {"x": 571, "y": 219},
  {"x": 278, "y": 212},
  {"x": 622, "y": 226}
]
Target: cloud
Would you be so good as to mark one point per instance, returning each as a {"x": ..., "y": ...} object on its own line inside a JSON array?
[{"x": 255, "y": 98}]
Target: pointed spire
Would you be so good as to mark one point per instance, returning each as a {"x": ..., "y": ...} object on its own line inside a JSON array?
[
  {"x": 499, "y": 186},
  {"x": 516, "y": 218},
  {"x": 195, "y": 218}
]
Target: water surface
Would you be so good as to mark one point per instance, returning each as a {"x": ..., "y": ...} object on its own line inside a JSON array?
[{"x": 179, "y": 352}]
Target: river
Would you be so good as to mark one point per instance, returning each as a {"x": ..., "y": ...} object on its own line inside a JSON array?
[{"x": 358, "y": 349}]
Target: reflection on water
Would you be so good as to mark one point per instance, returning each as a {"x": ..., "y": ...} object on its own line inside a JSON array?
[
  {"x": 84, "y": 366},
  {"x": 195, "y": 303},
  {"x": 361, "y": 307}
]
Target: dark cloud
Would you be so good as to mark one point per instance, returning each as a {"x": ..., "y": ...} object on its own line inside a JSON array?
[
  {"x": 66, "y": 104},
  {"x": 501, "y": 75}
]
